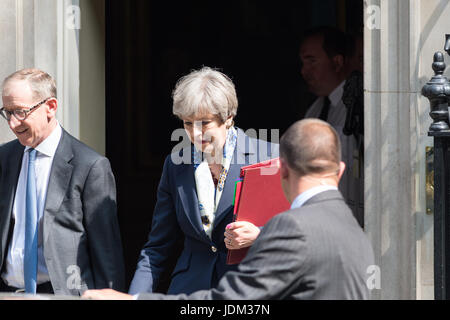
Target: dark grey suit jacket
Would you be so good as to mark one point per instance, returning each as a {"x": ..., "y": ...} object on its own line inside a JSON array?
[
  {"x": 317, "y": 251},
  {"x": 80, "y": 231}
]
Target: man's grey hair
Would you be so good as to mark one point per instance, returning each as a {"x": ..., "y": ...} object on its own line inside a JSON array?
[
  {"x": 205, "y": 91},
  {"x": 311, "y": 146},
  {"x": 41, "y": 83}
]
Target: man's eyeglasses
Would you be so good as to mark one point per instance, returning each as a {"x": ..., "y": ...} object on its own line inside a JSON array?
[{"x": 20, "y": 114}]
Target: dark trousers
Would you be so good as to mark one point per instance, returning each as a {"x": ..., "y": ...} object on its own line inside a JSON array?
[{"x": 45, "y": 287}]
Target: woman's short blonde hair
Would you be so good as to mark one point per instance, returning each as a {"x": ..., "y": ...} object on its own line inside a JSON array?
[{"x": 205, "y": 91}]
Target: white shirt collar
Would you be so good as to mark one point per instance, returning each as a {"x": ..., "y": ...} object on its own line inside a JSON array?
[
  {"x": 50, "y": 144},
  {"x": 308, "y": 194},
  {"x": 336, "y": 95}
]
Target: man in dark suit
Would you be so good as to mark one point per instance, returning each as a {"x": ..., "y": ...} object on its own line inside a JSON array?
[
  {"x": 58, "y": 222},
  {"x": 315, "y": 250}
]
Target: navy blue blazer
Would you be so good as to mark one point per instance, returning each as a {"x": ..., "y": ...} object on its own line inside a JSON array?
[{"x": 202, "y": 261}]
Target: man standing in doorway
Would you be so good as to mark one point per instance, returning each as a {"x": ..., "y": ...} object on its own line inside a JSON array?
[{"x": 323, "y": 52}]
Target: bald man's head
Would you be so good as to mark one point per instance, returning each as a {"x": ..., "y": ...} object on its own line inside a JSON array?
[{"x": 311, "y": 146}]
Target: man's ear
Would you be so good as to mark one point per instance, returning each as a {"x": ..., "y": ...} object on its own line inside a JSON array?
[
  {"x": 284, "y": 171},
  {"x": 52, "y": 106},
  {"x": 229, "y": 122},
  {"x": 338, "y": 63},
  {"x": 341, "y": 170}
]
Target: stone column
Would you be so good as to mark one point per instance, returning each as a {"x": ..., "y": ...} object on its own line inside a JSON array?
[
  {"x": 14, "y": 36},
  {"x": 391, "y": 93}
]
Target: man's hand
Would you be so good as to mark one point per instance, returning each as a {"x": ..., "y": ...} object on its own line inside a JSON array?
[
  {"x": 240, "y": 234},
  {"x": 106, "y": 294}
]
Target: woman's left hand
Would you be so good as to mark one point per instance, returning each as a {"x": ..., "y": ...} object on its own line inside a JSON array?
[{"x": 240, "y": 234}]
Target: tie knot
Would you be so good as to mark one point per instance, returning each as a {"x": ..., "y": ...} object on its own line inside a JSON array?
[{"x": 32, "y": 154}]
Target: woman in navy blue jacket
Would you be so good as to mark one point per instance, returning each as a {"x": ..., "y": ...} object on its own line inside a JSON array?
[{"x": 196, "y": 190}]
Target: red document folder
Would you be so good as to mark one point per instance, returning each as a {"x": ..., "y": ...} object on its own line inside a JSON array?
[{"x": 259, "y": 197}]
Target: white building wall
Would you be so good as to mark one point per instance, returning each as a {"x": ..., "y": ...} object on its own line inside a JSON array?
[
  {"x": 389, "y": 143},
  {"x": 39, "y": 33}
]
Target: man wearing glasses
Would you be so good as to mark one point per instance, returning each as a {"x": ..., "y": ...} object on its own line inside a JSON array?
[{"x": 58, "y": 218}]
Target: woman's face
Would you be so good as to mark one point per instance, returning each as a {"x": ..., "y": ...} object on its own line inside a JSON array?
[{"x": 207, "y": 132}]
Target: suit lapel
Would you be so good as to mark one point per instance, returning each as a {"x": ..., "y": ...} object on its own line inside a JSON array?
[
  {"x": 10, "y": 181},
  {"x": 188, "y": 195},
  {"x": 245, "y": 147},
  {"x": 226, "y": 200},
  {"x": 59, "y": 179}
]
